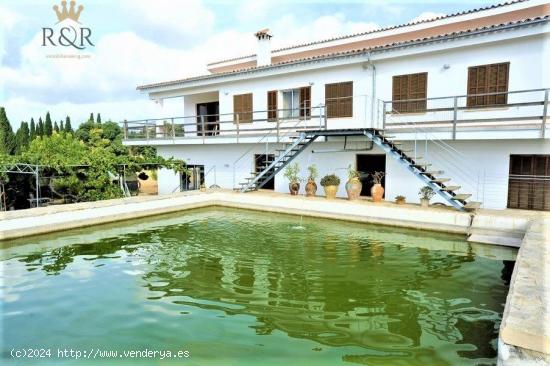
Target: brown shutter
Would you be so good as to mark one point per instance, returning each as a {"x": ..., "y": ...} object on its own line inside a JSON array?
[
  {"x": 247, "y": 107},
  {"x": 339, "y": 99},
  {"x": 272, "y": 105},
  {"x": 491, "y": 78},
  {"x": 305, "y": 101},
  {"x": 242, "y": 105},
  {"x": 237, "y": 107},
  {"x": 412, "y": 86}
]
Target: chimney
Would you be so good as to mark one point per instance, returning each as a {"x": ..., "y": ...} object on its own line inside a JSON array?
[{"x": 263, "y": 53}]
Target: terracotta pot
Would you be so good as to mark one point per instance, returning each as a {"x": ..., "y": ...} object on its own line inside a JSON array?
[
  {"x": 311, "y": 188},
  {"x": 330, "y": 191},
  {"x": 425, "y": 202},
  {"x": 353, "y": 187},
  {"x": 400, "y": 201},
  {"x": 294, "y": 188},
  {"x": 377, "y": 192}
]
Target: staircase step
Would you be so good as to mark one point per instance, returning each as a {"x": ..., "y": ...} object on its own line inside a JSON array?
[
  {"x": 461, "y": 196},
  {"x": 441, "y": 180},
  {"x": 450, "y": 188},
  {"x": 420, "y": 165},
  {"x": 472, "y": 205},
  {"x": 433, "y": 172},
  {"x": 388, "y": 137}
]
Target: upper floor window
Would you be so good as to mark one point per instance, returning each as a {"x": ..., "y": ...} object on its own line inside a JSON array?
[
  {"x": 408, "y": 89},
  {"x": 297, "y": 102},
  {"x": 339, "y": 99},
  {"x": 487, "y": 79},
  {"x": 242, "y": 107}
]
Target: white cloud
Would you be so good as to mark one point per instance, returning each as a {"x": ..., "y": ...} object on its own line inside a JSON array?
[{"x": 427, "y": 15}]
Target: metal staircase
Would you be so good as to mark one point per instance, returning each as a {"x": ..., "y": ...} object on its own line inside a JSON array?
[{"x": 422, "y": 170}]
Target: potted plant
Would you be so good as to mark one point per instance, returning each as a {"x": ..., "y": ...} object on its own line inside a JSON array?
[
  {"x": 291, "y": 173},
  {"x": 400, "y": 200},
  {"x": 353, "y": 185},
  {"x": 425, "y": 193},
  {"x": 330, "y": 183},
  {"x": 377, "y": 191},
  {"x": 311, "y": 186}
]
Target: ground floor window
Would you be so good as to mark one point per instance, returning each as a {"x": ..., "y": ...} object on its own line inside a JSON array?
[
  {"x": 529, "y": 182},
  {"x": 193, "y": 179},
  {"x": 368, "y": 164}
]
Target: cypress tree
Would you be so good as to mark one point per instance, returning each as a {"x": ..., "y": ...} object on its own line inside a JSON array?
[
  {"x": 61, "y": 126},
  {"x": 22, "y": 138},
  {"x": 98, "y": 120},
  {"x": 91, "y": 119},
  {"x": 7, "y": 137},
  {"x": 32, "y": 134},
  {"x": 40, "y": 127},
  {"x": 48, "y": 128},
  {"x": 56, "y": 127},
  {"x": 68, "y": 127}
]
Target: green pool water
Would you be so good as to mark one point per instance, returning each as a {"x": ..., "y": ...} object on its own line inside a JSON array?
[{"x": 248, "y": 288}]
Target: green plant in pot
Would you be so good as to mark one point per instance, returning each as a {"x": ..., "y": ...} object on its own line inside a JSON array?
[
  {"x": 353, "y": 185},
  {"x": 426, "y": 193},
  {"x": 400, "y": 200},
  {"x": 377, "y": 191},
  {"x": 291, "y": 173},
  {"x": 311, "y": 186},
  {"x": 330, "y": 183}
]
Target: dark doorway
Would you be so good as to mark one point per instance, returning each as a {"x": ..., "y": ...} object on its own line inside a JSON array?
[
  {"x": 368, "y": 164},
  {"x": 193, "y": 179},
  {"x": 261, "y": 160},
  {"x": 209, "y": 112}
]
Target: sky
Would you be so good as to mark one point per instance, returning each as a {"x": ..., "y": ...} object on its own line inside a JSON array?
[{"x": 142, "y": 41}]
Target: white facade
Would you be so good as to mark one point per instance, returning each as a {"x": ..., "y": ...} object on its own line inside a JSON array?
[{"x": 476, "y": 156}]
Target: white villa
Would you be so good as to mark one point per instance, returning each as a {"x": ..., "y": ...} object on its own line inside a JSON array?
[{"x": 458, "y": 103}]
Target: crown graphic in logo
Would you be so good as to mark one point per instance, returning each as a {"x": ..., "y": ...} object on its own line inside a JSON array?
[{"x": 68, "y": 14}]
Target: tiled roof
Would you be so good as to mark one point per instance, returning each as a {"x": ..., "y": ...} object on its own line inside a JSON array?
[
  {"x": 470, "y": 11},
  {"x": 411, "y": 42}
]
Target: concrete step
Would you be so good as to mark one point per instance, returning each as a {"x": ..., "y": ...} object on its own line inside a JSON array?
[
  {"x": 441, "y": 180},
  {"x": 450, "y": 188},
  {"x": 461, "y": 196},
  {"x": 433, "y": 172},
  {"x": 472, "y": 205}
]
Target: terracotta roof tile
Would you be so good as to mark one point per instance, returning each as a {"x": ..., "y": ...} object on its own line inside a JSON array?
[{"x": 494, "y": 27}]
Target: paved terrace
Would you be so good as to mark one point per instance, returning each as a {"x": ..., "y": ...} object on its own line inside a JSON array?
[{"x": 525, "y": 329}]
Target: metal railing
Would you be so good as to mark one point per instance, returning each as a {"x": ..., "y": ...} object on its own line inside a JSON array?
[
  {"x": 246, "y": 125},
  {"x": 526, "y": 109}
]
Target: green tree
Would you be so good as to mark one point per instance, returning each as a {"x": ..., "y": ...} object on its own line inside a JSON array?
[
  {"x": 68, "y": 127},
  {"x": 22, "y": 138},
  {"x": 7, "y": 137},
  {"x": 98, "y": 120},
  {"x": 32, "y": 130},
  {"x": 91, "y": 119},
  {"x": 48, "y": 128},
  {"x": 40, "y": 127},
  {"x": 61, "y": 126},
  {"x": 56, "y": 127}
]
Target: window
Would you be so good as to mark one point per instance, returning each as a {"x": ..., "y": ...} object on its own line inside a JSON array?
[
  {"x": 339, "y": 99},
  {"x": 272, "y": 105},
  {"x": 491, "y": 78},
  {"x": 305, "y": 101},
  {"x": 407, "y": 87},
  {"x": 242, "y": 106},
  {"x": 291, "y": 103},
  {"x": 529, "y": 182}
]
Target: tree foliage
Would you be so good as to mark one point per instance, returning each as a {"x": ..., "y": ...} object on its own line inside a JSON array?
[
  {"x": 48, "y": 127},
  {"x": 7, "y": 137},
  {"x": 22, "y": 138}
]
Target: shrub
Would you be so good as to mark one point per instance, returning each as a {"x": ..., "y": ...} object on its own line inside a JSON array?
[
  {"x": 330, "y": 180},
  {"x": 313, "y": 173},
  {"x": 426, "y": 192},
  {"x": 291, "y": 173}
]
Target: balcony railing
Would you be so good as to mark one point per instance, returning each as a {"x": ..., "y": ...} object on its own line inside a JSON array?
[
  {"x": 276, "y": 123},
  {"x": 523, "y": 109}
]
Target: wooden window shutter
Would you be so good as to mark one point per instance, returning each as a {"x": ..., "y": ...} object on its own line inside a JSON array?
[
  {"x": 407, "y": 87},
  {"x": 492, "y": 78},
  {"x": 272, "y": 105},
  {"x": 242, "y": 105},
  {"x": 305, "y": 101},
  {"x": 339, "y": 99}
]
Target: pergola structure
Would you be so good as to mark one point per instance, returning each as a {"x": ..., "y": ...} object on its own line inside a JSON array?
[{"x": 19, "y": 168}]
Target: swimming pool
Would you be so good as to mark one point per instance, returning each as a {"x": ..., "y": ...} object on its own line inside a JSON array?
[{"x": 236, "y": 287}]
